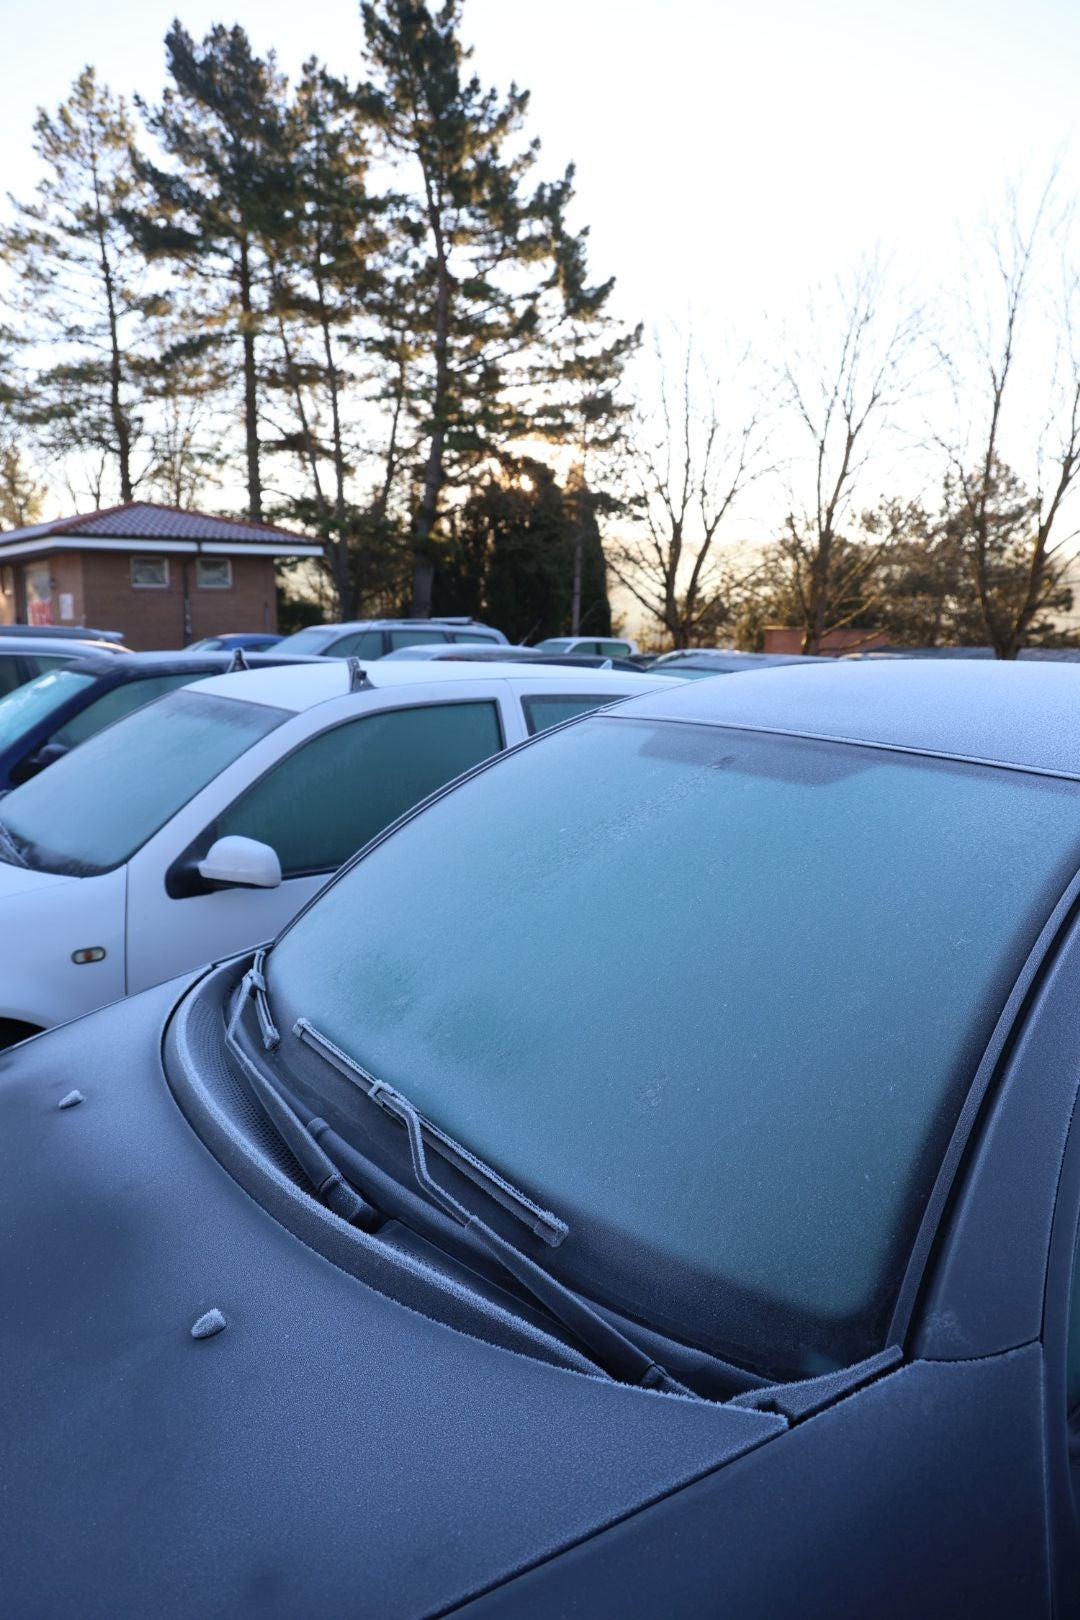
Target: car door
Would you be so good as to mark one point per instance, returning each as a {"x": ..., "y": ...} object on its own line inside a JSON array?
[{"x": 372, "y": 759}]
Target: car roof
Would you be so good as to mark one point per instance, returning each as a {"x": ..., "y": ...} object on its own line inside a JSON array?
[
  {"x": 67, "y": 646},
  {"x": 721, "y": 658},
  {"x": 1025, "y": 715},
  {"x": 138, "y": 665},
  {"x": 302, "y": 686}
]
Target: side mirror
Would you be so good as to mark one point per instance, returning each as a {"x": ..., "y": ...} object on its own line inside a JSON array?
[
  {"x": 46, "y": 755},
  {"x": 240, "y": 863}
]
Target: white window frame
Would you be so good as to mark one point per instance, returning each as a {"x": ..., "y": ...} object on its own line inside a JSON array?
[
  {"x": 146, "y": 584},
  {"x": 201, "y": 584}
]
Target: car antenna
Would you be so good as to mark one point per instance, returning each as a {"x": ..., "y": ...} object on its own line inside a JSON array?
[{"x": 238, "y": 663}]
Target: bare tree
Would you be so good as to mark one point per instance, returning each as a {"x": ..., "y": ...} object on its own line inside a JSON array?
[
  {"x": 1016, "y": 354},
  {"x": 685, "y": 483},
  {"x": 838, "y": 392}
]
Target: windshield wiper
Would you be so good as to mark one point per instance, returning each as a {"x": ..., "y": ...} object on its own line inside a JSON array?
[
  {"x": 7, "y": 840},
  {"x": 540, "y": 1221},
  {"x": 613, "y": 1350},
  {"x": 300, "y": 1135}
]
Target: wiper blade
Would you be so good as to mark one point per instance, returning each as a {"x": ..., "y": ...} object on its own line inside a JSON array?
[
  {"x": 540, "y": 1221},
  {"x": 7, "y": 840},
  {"x": 613, "y": 1350},
  {"x": 300, "y": 1135}
]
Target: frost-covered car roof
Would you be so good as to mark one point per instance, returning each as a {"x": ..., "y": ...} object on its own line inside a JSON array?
[
  {"x": 1026, "y": 715},
  {"x": 302, "y": 686}
]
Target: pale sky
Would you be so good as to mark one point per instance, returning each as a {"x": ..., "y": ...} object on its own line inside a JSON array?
[{"x": 730, "y": 153}]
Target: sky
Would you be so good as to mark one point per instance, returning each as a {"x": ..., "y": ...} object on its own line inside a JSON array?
[{"x": 729, "y": 156}]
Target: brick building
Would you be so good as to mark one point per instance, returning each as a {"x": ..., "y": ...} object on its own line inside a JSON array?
[{"x": 160, "y": 576}]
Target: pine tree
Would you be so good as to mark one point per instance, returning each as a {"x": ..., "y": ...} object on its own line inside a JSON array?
[
  {"x": 78, "y": 285},
  {"x": 493, "y": 280},
  {"x": 327, "y": 277},
  {"x": 223, "y": 122}
]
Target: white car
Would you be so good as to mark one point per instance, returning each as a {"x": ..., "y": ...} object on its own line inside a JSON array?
[{"x": 199, "y": 825}]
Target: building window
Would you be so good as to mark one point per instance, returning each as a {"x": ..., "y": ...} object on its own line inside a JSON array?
[
  {"x": 150, "y": 573},
  {"x": 213, "y": 573}
]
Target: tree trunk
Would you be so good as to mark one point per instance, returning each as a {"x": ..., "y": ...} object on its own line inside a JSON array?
[
  {"x": 426, "y": 514},
  {"x": 116, "y": 404},
  {"x": 251, "y": 397}
]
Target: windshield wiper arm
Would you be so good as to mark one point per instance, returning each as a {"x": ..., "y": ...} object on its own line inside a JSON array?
[
  {"x": 300, "y": 1135},
  {"x": 613, "y": 1350},
  {"x": 540, "y": 1221},
  {"x": 7, "y": 839}
]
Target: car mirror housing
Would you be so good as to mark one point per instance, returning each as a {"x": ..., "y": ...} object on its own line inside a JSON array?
[{"x": 240, "y": 863}]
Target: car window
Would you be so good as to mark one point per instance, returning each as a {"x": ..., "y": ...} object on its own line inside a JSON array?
[
  {"x": 27, "y": 706},
  {"x": 613, "y": 649},
  {"x": 97, "y": 805},
  {"x": 545, "y": 710},
  {"x": 325, "y": 800},
  {"x": 362, "y": 644},
  {"x": 42, "y": 663},
  {"x": 471, "y": 638},
  {"x": 740, "y": 1119},
  {"x": 312, "y": 639},
  {"x": 13, "y": 672},
  {"x": 416, "y": 638},
  {"x": 112, "y": 705}
]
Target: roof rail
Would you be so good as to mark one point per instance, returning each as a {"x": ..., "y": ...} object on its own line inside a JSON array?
[{"x": 359, "y": 679}]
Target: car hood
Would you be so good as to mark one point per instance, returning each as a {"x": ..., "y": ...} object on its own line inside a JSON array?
[
  {"x": 23, "y": 880},
  {"x": 331, "y": 1450}
]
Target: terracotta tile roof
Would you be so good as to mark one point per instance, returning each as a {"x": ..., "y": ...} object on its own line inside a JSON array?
[{"x": 146, "y": 520}]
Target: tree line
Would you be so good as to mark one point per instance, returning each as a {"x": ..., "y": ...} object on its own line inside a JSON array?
[{"x": 364, "y": 297}]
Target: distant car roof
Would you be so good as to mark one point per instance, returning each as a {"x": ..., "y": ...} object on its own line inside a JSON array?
[
  {"x": 61, "y": 632},
  {"x": 302, "y": 686},
  {"x": 59, "y": 646},
  {"x": 1001, "y": 713},
  {"x": 137, "y": 665},
  {"x": 723, "y": 659}
]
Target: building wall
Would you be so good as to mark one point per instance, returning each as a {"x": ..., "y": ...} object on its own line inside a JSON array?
[
  {"x": 783, "y": 639},
  {"x": 151, "y": 616}
]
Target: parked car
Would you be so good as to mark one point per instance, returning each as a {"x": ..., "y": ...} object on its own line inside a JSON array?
[
  {"x": 246, "y": 640},
  {"x": 513, "y": 654},
  {"x": 62, "y": 632},
  {"x": 374, "y": 638},
  {"x": 22, "y": 661},
  {"x": 201, "y": 823},
  {"x": 598, "y": 646},
  {"x": 76, "y": 698},
  {"x": 695, "y": 662},
  {"x": 472, "y": 1252}
]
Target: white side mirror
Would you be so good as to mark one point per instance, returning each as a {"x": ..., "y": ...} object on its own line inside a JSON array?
[{"x": 241, "y": 863}]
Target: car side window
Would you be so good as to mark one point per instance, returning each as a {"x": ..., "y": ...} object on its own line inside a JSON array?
[
  {"x": 13, "y": 673},
  {"x": 468, "y": 638},
  {"x": 362, "y": 644},
  {"x": 326, "y": 799},
  {"x": 42, "y": 663},
  {"x": 613, "y": 649},
  {"x": 543, "y": 711},
  {"x": 416, "y": 638},
  {"x": 112, "y": 705}
]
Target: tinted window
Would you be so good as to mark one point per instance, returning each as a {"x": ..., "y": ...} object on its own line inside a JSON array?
[
  {"x": 312, "y": 639},
  {"x": 613, "y": 649},
  {"x": 95, "y": 807},
  {"x": 416, "y": 638},
  {"x": 335, "y": 792},
  {"x": 112, "y": 705},
  {"x": 13, "y": 672},
  {"x": 472, "y": 638},
  {"x": 736, "y": 1083},
  {"x": 28, "y": 705},
  {"x": 545, "y": 711},
  {"x": 363, "y": 644}
]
